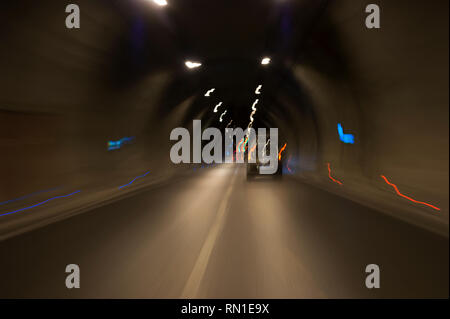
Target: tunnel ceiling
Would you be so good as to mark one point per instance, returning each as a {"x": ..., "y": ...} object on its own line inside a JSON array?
[{"x": 229, "y": 38}]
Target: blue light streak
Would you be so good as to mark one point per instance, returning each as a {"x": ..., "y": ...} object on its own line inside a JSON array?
[
  {"x": 29, "y": 195},
  {"x": 39, "y": 204},
  {"x": 114, "y": 145},
  {"x": 346, "y": 138},
  {"x": 134, "y": 180}
]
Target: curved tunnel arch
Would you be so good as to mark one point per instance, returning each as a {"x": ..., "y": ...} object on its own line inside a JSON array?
[
  {"x": 66, "y": 93},
  {"x": 132, "y": 73}
]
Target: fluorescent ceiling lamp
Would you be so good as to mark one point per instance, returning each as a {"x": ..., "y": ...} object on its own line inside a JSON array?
[
  {"x": 192, "y": 65},
  {"x": 254, "y": 105},
  {"x": 265, "y": 61},
  {"x": 221, "y": 116},
  {"x": 217, "y": 106},
  {"x": 161, "y": 3},
  {"x": 209, "y": 92}
]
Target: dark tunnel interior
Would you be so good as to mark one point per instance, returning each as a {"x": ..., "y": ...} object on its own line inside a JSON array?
[{"x": 141, "y": 226}]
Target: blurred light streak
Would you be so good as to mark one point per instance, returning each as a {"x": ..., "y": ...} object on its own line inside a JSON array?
[
  {"x": 251, "y": 152},
  {"x": 238, "y": 148},
  {"x": 217, "y": 106},
  {"x": 209, "y": 92},
  {"x": 258, "y": 90},
  {"x": 282, "y": 149},
  {"x": 134, "y": 180},
  {"x": 329, "y": 175},
  {"x": 265, "y": 147},
  {"x": 287, "y": 164},
  {"x": 254, "y": 104},
  {"x": 249, "y": 126},
  {"x": 221, "y": 116},
  {"x": 39, "y": 204},
  {"x": 346, "y": 138},
  {"x": 404, "y": 196},
  {"x": 251, "y": 118},
  {"x": 114, "y": 145},
  {"x": 245, "y": 144},
  {"x": 29, "y": 195}
]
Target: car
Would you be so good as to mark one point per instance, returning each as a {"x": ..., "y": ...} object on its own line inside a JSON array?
[{"x": 253, "y": 170}]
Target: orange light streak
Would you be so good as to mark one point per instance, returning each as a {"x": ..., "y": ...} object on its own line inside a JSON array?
[
  {"x": 404, "y": 196},
  {"x": 251, "y": 151},
  {"x": 245, "y": 144},
  {"x": 329, "y": 175},
  {"x": 282, "y": 149},
  {"x": 239, "y": 146}
]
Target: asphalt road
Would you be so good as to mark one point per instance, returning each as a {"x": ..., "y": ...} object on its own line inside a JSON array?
[{"x": 215, "y": 235}]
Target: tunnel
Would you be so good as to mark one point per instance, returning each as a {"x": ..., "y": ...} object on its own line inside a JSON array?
[{"x": 86, "y": 115}]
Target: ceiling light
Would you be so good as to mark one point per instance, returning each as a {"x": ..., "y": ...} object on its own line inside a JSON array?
[
  {"x": 221, "y": 116},
  {"x": 265, "y": 61},
  {"x": 192, "y": 65},
  {"x": 209, "y": 92},
  {"x": 254, "y": 105},
  {"x": 161, "y": 3},
  {"x": 217, "y": 106}
]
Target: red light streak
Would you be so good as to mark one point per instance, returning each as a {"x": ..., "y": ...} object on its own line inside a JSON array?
[
  {"x": 404, "y": 196},
  {"x": 238, "y": 147},
  {"x": 329, "y": 175},
  {"x": 245, "y": 144},
  {"x": 287, "y": 165}
]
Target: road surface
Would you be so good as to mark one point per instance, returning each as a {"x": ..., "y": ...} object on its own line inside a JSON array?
[{"x": 212, "y": 234}]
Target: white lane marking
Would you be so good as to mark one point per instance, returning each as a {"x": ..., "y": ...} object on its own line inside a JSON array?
[{"x": 193, "y": 283}]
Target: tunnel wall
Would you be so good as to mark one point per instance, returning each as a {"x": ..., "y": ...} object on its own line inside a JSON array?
[
  {"x": 65, "y": 94},
  {"x": 388, "y": 87}
]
